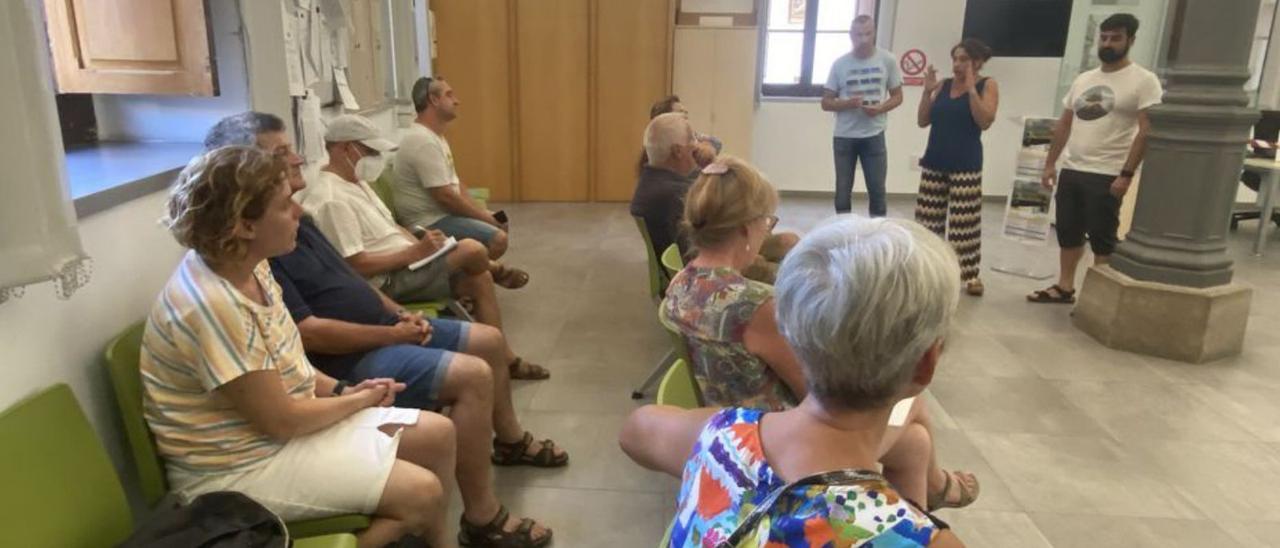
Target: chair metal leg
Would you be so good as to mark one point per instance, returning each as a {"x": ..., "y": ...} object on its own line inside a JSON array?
[
  {"x": 460, "y": 312},
  {"x": 655, "y": 375}
]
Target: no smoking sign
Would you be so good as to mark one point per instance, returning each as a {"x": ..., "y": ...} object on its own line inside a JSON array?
[{"x": 913, "y": 63}]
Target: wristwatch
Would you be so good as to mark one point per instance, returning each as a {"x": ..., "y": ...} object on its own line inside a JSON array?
[{"x": 339, "y": 387}]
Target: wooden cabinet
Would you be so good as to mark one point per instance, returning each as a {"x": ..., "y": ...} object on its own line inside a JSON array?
[
  {"x": 555, "y": 93},
  {"x": 131, "y": 46},
  {"x": 714, "y": 73}
]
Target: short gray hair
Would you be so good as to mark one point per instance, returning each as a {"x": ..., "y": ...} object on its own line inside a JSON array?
[
  {"x": 665, "y": 131},
  {"x": 424, "y": 89},
  {"x": 241, "y": 129},
  {"x": 860, "y": 301}
]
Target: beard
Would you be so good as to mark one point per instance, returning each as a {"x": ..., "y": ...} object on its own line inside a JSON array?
[{"x": 1108, "y": 55}]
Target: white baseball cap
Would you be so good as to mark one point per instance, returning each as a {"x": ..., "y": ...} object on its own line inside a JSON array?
[{"x": 353, "y": 127}]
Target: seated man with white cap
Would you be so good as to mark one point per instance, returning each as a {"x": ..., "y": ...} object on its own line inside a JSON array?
[{"x": 364, "y": 232}]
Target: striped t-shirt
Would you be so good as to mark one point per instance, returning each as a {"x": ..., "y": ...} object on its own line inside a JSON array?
[{"x": 203, "y": 333}]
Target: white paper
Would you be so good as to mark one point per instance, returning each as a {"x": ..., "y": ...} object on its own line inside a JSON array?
[
  {"x": 311, "y": 124},
  {"x": 292, "y": 56},
  {"x": 344, "y": 89},
  {"x": 316, "y": 29},
  {"x": 717, "y": 6},
  {"x": 448, "y": 246},
  {"x": 898, "y": 417},
  {"x": 335, "y": 13}
]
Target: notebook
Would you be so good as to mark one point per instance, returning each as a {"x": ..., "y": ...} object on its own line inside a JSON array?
[{"x": 448, "y": 246}]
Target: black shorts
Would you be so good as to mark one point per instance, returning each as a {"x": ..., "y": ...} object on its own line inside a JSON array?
[{"x": 1086, "y": 205}]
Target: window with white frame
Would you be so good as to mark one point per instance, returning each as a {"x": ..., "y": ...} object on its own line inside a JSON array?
[{"x": 802, "y": 39}]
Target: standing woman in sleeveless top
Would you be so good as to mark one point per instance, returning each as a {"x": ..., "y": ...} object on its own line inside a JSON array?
[{"x": 959, "y": 109}]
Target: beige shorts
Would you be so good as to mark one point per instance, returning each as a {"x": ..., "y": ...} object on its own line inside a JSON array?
[{"x": 339, "y": 470}]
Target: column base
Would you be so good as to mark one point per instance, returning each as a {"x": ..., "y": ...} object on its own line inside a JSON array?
[{"x": 1187, "y": 324}]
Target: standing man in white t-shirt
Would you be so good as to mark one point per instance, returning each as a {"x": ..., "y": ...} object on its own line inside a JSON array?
[
  {"x": 428, "y": 191},
  {"x": 1104, "y": 132},
  {"x": 863, "y": 85}
]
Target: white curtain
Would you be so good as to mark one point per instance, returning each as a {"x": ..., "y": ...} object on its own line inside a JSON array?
[{"x": 38, "y": 237}]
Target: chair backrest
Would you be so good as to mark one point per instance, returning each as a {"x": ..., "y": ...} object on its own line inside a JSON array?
[
  {"x": 57, "y": 483},
  {"x": 677, "y": 387},
  {"x": 382, "y": 186},
  {"x": 657, "y": 278},
  {"x": 672, "y": 261},
  {"x": 685, "y": 377},
  {"x": 122, "y": 366}
]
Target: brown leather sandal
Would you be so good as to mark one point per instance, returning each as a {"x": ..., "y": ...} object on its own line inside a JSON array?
[
  {"x": 1053, "y": 294},
  {"x": 969, "y": 489},
  {"x": 527, "y": 371},
  {"x": 492, "y": 534},
  {"x": 516, "y": 453},
  {"x": 509, "y": 277}
]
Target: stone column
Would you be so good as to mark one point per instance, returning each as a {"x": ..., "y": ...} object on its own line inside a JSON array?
[{"x": 1168, "y": 291}]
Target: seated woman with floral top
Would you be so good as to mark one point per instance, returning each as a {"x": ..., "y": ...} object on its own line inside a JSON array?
[
  {"x": 865, "y": 304},
  {"x": 740, "y": 358}
]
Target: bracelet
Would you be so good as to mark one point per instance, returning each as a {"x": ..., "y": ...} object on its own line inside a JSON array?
[{"x": 338, "y": 388}]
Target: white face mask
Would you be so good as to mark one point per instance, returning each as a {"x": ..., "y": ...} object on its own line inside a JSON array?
[{"x": 369, "y": 168}]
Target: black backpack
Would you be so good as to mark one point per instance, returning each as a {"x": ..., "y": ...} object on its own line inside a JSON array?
[{"x": 223, "y": 519}]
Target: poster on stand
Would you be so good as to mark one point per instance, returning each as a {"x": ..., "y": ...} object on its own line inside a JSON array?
[{"x": 1028, "y": 215}]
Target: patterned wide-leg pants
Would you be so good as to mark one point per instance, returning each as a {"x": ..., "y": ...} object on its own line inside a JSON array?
[{"x": 950, "y": 204}]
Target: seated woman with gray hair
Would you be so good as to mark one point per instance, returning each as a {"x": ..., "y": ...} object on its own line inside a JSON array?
[
  {"x": 230, "y": 396},
  {"x": 865, "y": 304}
]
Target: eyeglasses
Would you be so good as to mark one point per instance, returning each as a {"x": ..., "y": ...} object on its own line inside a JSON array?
[{"x": 770, "y": 221}]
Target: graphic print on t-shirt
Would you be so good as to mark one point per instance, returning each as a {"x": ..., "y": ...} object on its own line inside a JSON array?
[
  {"x": 867, "y": 82},
  {"x": 1095, "y": 103}
]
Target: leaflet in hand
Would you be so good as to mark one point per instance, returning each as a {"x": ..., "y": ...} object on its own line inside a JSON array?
[
  {"x": 900, "y": 411},
  {"x": 448, "y": 246}
]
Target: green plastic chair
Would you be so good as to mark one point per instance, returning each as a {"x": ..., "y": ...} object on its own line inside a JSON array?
[
  {"x": 666, "y": 537},
  {"x": 678, "y": 387},
  {"x": 122, "y": 357},
  {"x": 672, "y": 261},
  {"x": 657, "y": 277},
  {"x": 681, "y": 349},
  {"x": 60, "y": 488}
]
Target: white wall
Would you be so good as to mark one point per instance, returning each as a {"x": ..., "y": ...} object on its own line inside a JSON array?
[
  {"x": 793, "y": 138},
  {"x": 44, "y": 340}
]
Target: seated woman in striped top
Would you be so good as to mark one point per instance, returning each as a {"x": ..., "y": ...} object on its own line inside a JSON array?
[{"x": 230, "y": 396}]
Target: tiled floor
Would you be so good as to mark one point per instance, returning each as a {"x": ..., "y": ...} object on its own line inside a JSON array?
[{"x": 1076, "y": 445}]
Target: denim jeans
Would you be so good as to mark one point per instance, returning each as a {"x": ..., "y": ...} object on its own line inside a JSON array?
[{"x": 875, "y": 163}]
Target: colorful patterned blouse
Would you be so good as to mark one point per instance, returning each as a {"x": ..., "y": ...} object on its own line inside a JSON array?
[
  {"x": 727, "y": 477},
  {"x": 711, "y": 307}
]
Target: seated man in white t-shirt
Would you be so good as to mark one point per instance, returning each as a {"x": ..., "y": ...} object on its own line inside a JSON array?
[
  {"x": 362, "y": 230},
  {"x": 427, "y": 188}
]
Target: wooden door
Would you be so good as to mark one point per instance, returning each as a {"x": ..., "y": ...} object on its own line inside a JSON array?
[
  {"x": 630, "y": 72},
  {"x": 552, "y": 60},
  {"x": 474, "y": 56},
  {"x": 131, "y": 46}
]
